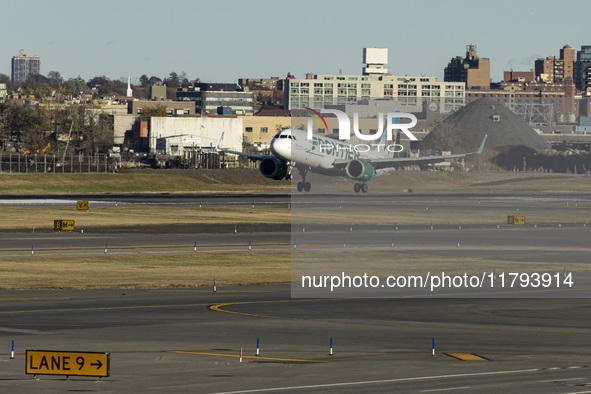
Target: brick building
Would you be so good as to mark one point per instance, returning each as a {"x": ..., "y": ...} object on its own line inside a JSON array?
[
  {"x": 472, "y": 70},
  {"x": 552, "y": 70}
]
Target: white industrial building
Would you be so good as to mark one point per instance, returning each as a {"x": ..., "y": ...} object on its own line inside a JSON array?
[{"x": 175, "y": 135}]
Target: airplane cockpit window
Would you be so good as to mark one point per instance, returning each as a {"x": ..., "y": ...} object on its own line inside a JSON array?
[{"x": 277, "y": 135}]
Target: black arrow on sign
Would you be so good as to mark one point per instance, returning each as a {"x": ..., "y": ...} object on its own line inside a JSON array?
[{"x": 98, "y": 363}]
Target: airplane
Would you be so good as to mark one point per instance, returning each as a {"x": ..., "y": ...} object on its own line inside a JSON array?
[{"x": 291, "y": 148}]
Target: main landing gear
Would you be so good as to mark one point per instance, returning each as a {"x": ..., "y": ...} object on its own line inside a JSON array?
[
  {"x": 360, "y": 187},
  {"x": 303, "y": 186}
]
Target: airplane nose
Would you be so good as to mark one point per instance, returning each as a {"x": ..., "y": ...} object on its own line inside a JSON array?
[{"x": 281, "y": 148}]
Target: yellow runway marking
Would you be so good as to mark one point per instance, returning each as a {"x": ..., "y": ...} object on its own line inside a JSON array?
[
  {"x": 467, "y": 356},
  {"x": 218, "y": 308},
  {"x": 251, "y": 357}
]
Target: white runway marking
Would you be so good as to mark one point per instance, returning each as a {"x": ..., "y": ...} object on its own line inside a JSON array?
[{"x": 368, "y": 382}]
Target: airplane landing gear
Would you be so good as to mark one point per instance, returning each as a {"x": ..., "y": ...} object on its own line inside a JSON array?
[
  {"x": 288, "y": 176},
  {"x": 360, "y": 187},
  {"x": 303, "y": 186}
]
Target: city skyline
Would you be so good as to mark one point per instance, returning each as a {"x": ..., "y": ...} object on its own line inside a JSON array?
[{"x": 224, "y": 42}]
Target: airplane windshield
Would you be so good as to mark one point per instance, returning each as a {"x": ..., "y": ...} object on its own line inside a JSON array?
[{"x": 279, "y": 135}]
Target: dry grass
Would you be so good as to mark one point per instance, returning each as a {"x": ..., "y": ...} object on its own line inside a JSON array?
[
  {"x": 163, "y": 181},
  {"x": 475, "y": 183},
  {"x": 42, "y": 217},
  {"x": 389, "y": 263},
  {"x": 422, "y": 216},
  {"x": 144, "y": 272}
]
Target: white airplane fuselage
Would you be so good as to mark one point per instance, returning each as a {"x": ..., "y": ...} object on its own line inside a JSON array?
[{"x": 320, "y": 153}]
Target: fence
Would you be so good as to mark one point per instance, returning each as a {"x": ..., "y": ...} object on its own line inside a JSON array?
[{"x": 11, "y": 162}]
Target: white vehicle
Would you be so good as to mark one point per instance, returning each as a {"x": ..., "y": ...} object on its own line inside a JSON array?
[{"x": 292, "y": 148}]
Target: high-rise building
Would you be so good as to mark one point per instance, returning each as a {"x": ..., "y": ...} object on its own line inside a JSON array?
[
  {"x": 553, "y": 70},
  {"x": 582, "y": 74},
  {"x": 24, "y": 66},
  {"x": 472, "y": 70}
]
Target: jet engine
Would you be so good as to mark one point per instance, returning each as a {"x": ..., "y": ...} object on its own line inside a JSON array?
[
  {"x": 274, "y": 168},
  {"x": 359, "y": 169}
]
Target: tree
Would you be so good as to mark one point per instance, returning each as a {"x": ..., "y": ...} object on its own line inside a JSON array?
[
  {"x": 27, "y": 123},
  {"x": 33, "y": 82},
  {"x": 144, "y": 81},
  {"x": 106, "y": 87},
  {"x": 156, "y": 111},
  {"x": 155, "y": 81},
  {"x": 6, "y": 80},
  {"x": 92, "y": 131},
  {"x": 76, "y": 87},
  {"x": 55, "y": 78},
  {"x": 173, "y": 80},
  {"x": 184, "y": 80}
]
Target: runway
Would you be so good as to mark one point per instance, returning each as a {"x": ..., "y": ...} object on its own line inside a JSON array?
[
  {"x": 172, "y": 340},
  {"x": 189, "y": 339}
]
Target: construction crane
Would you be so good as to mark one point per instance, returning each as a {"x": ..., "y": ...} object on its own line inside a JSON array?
[{"x": 40, "y": 151}]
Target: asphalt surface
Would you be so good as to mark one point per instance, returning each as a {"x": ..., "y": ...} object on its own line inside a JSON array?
[
  {"x": 189, "y": 340},
  {"x": 172, "y": 340}
]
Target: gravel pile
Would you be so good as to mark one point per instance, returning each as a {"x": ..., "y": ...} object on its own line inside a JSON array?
[{"x": 464, "y": 130}]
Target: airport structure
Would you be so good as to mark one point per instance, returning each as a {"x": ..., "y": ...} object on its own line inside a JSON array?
[
  {"x": 24, "y": 66},
  {"x": 320, "y": 91}
]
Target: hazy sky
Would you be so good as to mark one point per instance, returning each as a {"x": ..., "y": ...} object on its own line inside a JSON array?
[{"x": 221, "y": 41}]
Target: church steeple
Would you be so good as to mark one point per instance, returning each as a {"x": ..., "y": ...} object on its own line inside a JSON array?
[{"x": 129, "y": 91}]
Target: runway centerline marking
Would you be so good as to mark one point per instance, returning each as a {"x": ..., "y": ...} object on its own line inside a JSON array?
[
  {"x": 447, "y": 389},
  {"x": 369, "y": 382}
]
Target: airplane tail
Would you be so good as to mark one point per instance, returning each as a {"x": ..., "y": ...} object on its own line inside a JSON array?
[
  {"x": 221, "y": 141},
  {"x": 482, "y": 145}
]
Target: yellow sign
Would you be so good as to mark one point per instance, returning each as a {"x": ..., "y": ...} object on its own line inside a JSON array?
[
  {"x": 515, "y": 219},
  {"x": 82, "y": 205},
  {"x": 47, "y": 362},
  {"x": 63, "y": 225}
]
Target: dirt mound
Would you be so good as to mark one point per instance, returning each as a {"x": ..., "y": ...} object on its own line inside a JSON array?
[{"x": 464, "y": 130}]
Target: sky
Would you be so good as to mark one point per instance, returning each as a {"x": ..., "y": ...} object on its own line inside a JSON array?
[{"x": 221, "y": 41}]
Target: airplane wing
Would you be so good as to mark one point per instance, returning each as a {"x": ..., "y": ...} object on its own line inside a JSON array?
[
  {"x": 252, "y": 156},
  {"x": 409, "y": 161}
]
